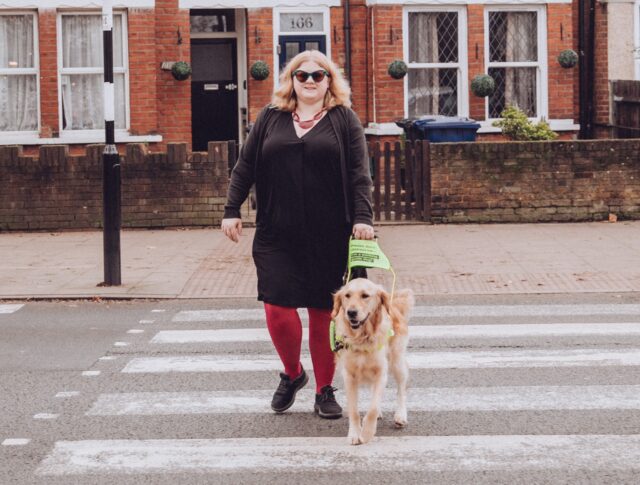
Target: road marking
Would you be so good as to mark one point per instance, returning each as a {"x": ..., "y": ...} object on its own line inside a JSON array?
[
  {"x": 68, "y": 394},
  {"x": 45, "y": 416},
  {"x": 417, "y": 360},
  {"x": 135, "y": 330},
  {"x": 424, "y": 311},
  {"x": 121, "y": 344},
  {"x": 16, "y": 442},
  {"x": 146, "y": 321},
  {"x": 434, "y": 399},
  {"x": 91, "y": 373},
  {"x": 408, "y": 453},
  {"x": 10, "y": 308},
  {"x": 158, "y": 311},
  {"x": 108, "y": 357},
  {"x": 418, "y": 331}
]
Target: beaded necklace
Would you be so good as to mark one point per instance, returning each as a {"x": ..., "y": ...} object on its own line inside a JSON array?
[{"x": 305, "y": 124}]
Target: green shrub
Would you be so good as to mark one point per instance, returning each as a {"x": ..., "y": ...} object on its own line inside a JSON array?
[{"x": 516, "y": 126}]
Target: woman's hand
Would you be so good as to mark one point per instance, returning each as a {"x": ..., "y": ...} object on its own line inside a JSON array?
[
  {"x": 232, "y": 228},
  {"x": 363, "y": 231}
]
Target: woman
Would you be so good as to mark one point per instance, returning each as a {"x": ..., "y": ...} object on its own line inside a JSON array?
[{"x": 308, "y": 159}]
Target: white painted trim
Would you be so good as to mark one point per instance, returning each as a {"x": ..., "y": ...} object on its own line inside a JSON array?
[
  {"x": 542, "y": 100},
  {"x": 464, "y": 2},
  {"x": 326, "y": 25},
  {"x": 555, "y": 125},
  {"x": 73, "y": 138},
  {"x": 54, "y": 4},
  {"x": 35, "y": 70},
  {"x": 462, "y": 65},
  {"x": 636, "y": 36},
  {"x": 251, "y": 4}
]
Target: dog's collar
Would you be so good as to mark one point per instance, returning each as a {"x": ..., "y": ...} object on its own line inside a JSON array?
[{"x": 338, "y": 341}]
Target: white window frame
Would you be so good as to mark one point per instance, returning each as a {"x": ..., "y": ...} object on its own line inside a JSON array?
[
  {"x": 462, "y": 64},
  {"x": 542, "y": 96},
  {"x": 326, "y": 30},
  {"x": 66, "y": 133},
  {"x": 636, "y": 38},
  {"x": 35, "y": 70}
]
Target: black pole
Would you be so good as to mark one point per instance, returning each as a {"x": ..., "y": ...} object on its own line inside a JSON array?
[
  {"x": 347, "y": 40},
  {"x": 110, "y": 161},
  {"x": 586, "y": 48}
]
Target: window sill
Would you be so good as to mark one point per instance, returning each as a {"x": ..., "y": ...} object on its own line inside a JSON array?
[
  {"x": 75, "y": 138},
  {"x": 391, "y": 129}
]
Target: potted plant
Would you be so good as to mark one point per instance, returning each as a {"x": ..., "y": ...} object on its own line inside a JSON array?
[
  {"x": 259, "y": 70},
  {"x": 397, "y": 69},
  {"x": 568, "y": 58},
  {"x": 181, "y": 70},
  {"x": 483, "y": 85}
]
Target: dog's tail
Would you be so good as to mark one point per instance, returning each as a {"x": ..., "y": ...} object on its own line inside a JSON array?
[{"x": 403, "y": 302}]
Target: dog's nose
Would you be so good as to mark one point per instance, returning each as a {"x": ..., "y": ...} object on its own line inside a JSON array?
[{"x": 352, "y": 313}]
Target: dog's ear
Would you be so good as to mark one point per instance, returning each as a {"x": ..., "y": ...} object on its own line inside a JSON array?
[
  {"x": 385, "y": 299},
  {"x": 337, "y": 304}
]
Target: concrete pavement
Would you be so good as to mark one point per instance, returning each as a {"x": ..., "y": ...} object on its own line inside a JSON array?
[{"x": 430, "y": 259}]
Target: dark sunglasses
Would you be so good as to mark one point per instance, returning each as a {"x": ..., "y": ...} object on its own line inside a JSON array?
[{"x": 317, "y": 76}]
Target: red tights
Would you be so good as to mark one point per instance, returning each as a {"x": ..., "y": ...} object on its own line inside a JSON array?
[{"x": 285, "y": 329}]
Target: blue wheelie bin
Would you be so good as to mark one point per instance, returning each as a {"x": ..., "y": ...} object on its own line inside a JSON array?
[{"x": 445, "y": 129}]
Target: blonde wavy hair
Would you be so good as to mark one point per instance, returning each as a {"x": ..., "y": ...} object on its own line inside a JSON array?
[{"x": 338, "y": 94}]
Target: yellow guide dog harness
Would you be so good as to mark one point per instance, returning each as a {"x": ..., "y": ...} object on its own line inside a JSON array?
[{"x": 363, "y": 253}]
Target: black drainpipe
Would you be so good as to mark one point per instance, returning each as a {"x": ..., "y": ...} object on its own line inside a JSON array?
[
  {"x": 586, "y": 46},
  {"x": 347, "y": 40}
]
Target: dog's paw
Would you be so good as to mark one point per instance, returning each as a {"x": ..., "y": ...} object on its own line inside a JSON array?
[
  {"x": 400, "y": 419},
  {"x": 366, "y": 436},
  {"x": 355, "y": 440}
]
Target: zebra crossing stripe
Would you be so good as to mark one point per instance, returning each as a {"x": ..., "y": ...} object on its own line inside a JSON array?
[
  {"x": 425, "y": 311},
  {"x": 415, "y": 453},
  {"x": 7, "y": 308},
  {"x": 418, "y": 331},
  {"x": 434, "y": 399},
  {"x": 481, "y": 359}
]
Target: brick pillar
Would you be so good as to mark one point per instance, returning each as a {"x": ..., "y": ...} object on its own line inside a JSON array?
[
  {"x": 49, "y": 123},
  {"x": 475, "y": 54}
]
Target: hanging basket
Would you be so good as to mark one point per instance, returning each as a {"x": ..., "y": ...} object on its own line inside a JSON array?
[
  {"x": 483, "y": 85},
  {"x": 181, "y": 70},
  {"x": 568, "y": 58},
  {"x": 259, "y": 70},
  {"x": 397, "y": 69}
]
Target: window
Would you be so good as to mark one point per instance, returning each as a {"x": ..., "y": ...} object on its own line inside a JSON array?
[
  {"x": 18, "y": 72},
  {"x": 636, "y": 50},
  {"x": 515, "y": 61},
  {"x": 436, "y": 58},
  {"x": 81, "y": 71}
]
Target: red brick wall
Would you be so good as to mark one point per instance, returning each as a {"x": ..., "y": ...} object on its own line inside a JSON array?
[
  {"x": 601, "y": 81},
  {"x": 475, "y": 22},
  {"x": 561, "y": 80},
  {"x": 259, "y": 48},
  {"x": 48, "y": 73},
  {"x": 173, "y": 97},
  {"x": 56, "y": 190},
  {"x": 143, "y": 72}
]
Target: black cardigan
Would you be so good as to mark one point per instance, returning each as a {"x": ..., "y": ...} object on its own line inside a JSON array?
[{"x": 354, "y": 162}]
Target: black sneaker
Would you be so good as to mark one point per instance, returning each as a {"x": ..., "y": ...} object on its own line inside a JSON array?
[
  {"x": 326, "y": 405},
  {"x": 285, "y": 395}
]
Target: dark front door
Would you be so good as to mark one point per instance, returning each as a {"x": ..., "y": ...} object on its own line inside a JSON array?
[
  {"x": 214, "y": 91},
  {"x": 291, "y": 45}
]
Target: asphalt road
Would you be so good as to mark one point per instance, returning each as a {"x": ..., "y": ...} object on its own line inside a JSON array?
[{"x": 504, "y": 389}]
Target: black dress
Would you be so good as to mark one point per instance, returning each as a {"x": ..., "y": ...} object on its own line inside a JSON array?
[{"x": 300, "y": 248}]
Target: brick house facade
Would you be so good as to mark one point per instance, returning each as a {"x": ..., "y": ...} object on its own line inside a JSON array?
[{"x": 445, "y": 43}]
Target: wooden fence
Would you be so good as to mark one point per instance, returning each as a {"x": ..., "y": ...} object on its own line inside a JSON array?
[
  {"x": 401, "y": 181},
  {"x": 626, "y": 108}
]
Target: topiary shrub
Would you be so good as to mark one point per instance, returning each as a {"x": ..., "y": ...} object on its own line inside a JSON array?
[
  {"x": 568, "y": 58},
  {"x": 483, "y": 85},
  {"x": 259, "y": 70},
  {"x": 181, "y": 70},
  {"x": 397, "y": 69},
  {"x": 516, "y": 126}
]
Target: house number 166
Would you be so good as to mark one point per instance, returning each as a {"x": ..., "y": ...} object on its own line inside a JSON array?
[{"x": 302, "y": 23}]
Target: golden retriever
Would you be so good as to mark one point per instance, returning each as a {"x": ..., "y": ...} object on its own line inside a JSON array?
[{"x": 372, "y": 332}]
